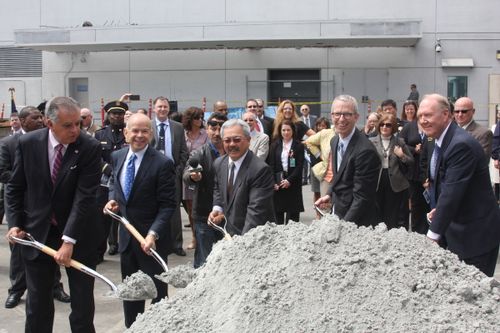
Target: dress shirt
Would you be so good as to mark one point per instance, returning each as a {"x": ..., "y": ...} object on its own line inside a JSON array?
[
  {"x": 168, "y": 137},
  {"x": 137, "y": 164},
  {"x": 287, "y": 146},
  {"x": 237, "y": 166},
  {"x": 345, "y": 141}
]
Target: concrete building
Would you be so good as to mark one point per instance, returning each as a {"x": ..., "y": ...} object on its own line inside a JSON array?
[{"x": 308, "y": 51}]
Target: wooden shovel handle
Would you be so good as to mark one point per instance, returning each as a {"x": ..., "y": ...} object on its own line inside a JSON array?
[{"x": 51, "y": 252}]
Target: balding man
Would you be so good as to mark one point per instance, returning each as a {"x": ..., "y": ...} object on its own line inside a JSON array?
[
  {"x": 464, "y": 116},
  {"x": 221, "y": 107},
  {"x": 464, "y": 208},
  {"x": 87, "y": 124},
  {"x": 259, "y": 142}
]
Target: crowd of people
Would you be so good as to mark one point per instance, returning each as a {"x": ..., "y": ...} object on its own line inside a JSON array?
[{"x": 426, "y": 171}]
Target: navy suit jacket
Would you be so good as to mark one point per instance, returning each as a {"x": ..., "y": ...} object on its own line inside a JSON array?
[
  {"x": 32, "y": 199},
  {"x": 354, "y": 185},
  {"x": 466, "y": 211},
  {"x": 151, "y": 202}
]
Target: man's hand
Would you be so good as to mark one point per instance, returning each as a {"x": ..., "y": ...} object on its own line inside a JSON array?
[
  {"x": 418, "y": 148},
  {"x": 15, "y": 232},
  {"x": 149, "y": 244},
  {"x": 112, "y": 205},
  {"x": 284, "y": 184},
  {"x": 324, "y": 202},
  {"x": 195, "y": 176},
  {"x": 216, "y": 217},
  {"x": 430, "y": 215},
  {"x": 399, "y": 151},
  {"x": 496, "y": 164},
  {"x": 64, "y": 254}
]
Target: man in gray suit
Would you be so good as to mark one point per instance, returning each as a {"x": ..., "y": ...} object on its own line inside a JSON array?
[
  {"x": 464, "y": 114},
  {"x": 259, "y": 142},
  {"x": 170, "y": 140},
  {"x": 243, "y": 189}
]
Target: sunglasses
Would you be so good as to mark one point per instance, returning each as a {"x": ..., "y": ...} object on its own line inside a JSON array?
[
  {"x": 461, "y": 111},
  {"x": 214, "y": 123},
  {"x": 83, "y": 117},
  {"x": 235, "y": 139},
  {"x": 388, "y": 125}
]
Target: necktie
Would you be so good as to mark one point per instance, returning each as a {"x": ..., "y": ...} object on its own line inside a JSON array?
[
  {"x": 231, "y": 180},
  {"x": 257, "y": 125},
  {"x": 434, "y": 159},
  {"x": 161, "y": 138},
  {"x": 56, "y": 166},
  {"x": 307, "y": 122},
  {"x": 129, "y": 176},
  {"x": 340, "y": 154}
]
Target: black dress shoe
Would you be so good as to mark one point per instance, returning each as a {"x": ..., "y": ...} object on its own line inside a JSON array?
[
  {"x": 61, "y": 296},
  {"x": 113, "y": 249},
  {"x": 180, "y": 252},
  {"x": 13, "y": 300}
]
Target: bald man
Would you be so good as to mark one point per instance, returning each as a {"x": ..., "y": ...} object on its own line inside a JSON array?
[
  {"x": 221, "y": 107},
  {"x": 87, "y": 123}
]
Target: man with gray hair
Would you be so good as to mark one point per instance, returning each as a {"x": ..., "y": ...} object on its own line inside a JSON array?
[
  {"x": 259, "y": 142},
  {"x": 355, "y": 165},
  {"x": 55, "y": 203},
  {"x": 243, "y": 189}
]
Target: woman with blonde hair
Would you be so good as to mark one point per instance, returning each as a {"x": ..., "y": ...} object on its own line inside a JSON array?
[{"x": 286, "y": 111}]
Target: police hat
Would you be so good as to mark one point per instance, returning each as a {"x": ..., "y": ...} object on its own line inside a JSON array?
[{"x": 116, "y": 106}]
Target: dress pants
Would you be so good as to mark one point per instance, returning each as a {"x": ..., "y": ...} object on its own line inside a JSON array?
[
  {"x": 388, "y": 202},
  {"x": 132, "y": 260},
  {"x": 40, "y": 274},
  {"x": 419, "y": 208}
]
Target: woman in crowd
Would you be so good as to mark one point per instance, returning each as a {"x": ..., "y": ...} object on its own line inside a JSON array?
[
  {"x": 196, "y": 136},
  {"x": 286, "y": 159},
  {"x": 409, "y": 112},
  {"x": 396, "y": 159},
  {"x": 319, "y": 148},
  {"x": 370, "y": 128},
  {"x": 286, "y": 111}
]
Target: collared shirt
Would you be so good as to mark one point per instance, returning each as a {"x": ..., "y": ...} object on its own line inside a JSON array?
[
  {"x": 439, "y": 143},
  {"x": 287, "y": 147},
  {"x": 467, "y": 125},
  {"x": 237, "y": 165},
  {"x": 345, "y": 141},
  {"x": 261, "y": 127},
  {"x": 168, "y": 137},
  {"x": 137, "y": 164}
]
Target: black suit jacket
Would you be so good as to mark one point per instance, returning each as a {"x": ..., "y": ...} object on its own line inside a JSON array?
[
  {"x": 466, "y": 211},
  {"x": 8, "y": 147},
  {"x": 151, "y": 201},
  {"x": 251, "y": 202},
  {"x": 32, "y": 199},
  {"x": 354, "y": 185},
  {"x": 412, "y": 138}
]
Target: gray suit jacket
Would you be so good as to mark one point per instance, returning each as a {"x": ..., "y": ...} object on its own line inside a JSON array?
[
  {"x": 251, "y": 202},
  {"x": 259, "y": 145},
  {"x": 481, "y": 134},
  {"x": 398, "y": 168},
  {"x": 312, "y": 120}
]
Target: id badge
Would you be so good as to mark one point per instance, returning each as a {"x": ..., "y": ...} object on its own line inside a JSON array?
[{"x": 292, "y": 162}]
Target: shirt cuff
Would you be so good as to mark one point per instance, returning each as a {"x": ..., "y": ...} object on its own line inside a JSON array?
[
  {"x": 67, "y": 239},
  {"x": 218, "y": 209},
  {"x": 154, "y": 233},
  {"x": 432, "y": 235}
]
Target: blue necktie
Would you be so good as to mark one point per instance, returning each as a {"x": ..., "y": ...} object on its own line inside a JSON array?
[
  {"x": 434, "y": 159},
  {"x": 129, "y": 176}
]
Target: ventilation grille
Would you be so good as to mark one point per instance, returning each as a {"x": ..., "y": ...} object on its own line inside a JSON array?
[{"x": 20, "y": 62}]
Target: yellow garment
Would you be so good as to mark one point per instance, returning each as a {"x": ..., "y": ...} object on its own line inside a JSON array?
[{"x": 319, "y": 145}]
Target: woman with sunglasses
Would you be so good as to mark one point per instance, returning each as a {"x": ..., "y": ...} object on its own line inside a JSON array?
[
  {"x": 396, "y": 159},
  {"x": 286, "y": 159},
  {"x": 196, "y": 136}
]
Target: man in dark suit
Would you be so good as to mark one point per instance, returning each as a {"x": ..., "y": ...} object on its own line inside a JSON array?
[
  {"x": 261, "y": 114},
  {"x": 466, "y": 212},
  {"x": 143, "y": 191},
  {"x": 355, "y": 165},
  {"x": 31, "y": 119},
  {"x": 262, "y": 125},
  {"x": 310, "y": 121},
  {"x": 170, "y": 140},
  {"x": 243, "y": 190},
  {"x": 55, "y": 202}
]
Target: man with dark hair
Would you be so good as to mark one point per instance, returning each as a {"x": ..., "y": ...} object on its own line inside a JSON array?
[
  {"x": 169, "y": 139},
  {"x": 203, "y": 181},
  {"x": 414, "y": 95},
  {"x": 55, "y": 203},
  {"x": 464, "y": 208},
  {"x": 15, "y": 125}
]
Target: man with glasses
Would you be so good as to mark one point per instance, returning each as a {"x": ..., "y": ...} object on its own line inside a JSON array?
[
  {"x": 199, "y": 172},
  {"x": 259, "y": 144},
  {"x": 355, "y": 165},
  {"x": 463, "y": 115},
  {"x": 262, "y": 116},
  {"x": 87, "y": 124},
  {"x": 261, "y": 125},
  {"x": 243, "y": 190}
]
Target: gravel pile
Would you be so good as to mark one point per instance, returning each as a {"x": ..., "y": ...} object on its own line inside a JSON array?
[
  {"x": 138, "y": 286},
  {"x": 329, "y": 277}
]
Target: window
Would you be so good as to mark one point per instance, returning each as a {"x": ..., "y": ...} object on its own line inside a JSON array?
[{"x": 457, "y": 87}]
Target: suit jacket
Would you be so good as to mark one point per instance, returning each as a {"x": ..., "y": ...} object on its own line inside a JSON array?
[
  {"x": 8, "y": 147},
  {"x": 483, "y": 135},
  {"x": 151, "y": 202},
  {"x": 32, "y": 199},
  {"x": 251, "y": 202},
  {"x": 466, "y": 210},
  {"x": 312, "y": 120},
  {"x": 354, "y": 185},
  {"x": 179, "y": 148},
  {"x": 259, "y": 145},
  {"x": 319, "y": 146},
  {"x": 398, "y": 167},
  {"x": 412, "y": 138}
]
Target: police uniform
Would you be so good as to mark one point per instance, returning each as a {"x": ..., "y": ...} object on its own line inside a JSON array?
[{"x": 111, "y": 139}]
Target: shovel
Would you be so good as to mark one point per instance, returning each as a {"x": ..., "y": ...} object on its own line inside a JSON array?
[
  {"x": 30, "y": 241},
  {"x": 223, "y": 230},
  {"x": 321, "y": 212}
]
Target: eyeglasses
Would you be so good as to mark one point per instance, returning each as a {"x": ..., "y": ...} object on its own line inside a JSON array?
[
  {"x": 214, "y": 123},
  {"x": 260, "y": 105},
  {"x": 83, "y": 117},
  {"x": 235, "y": 139},
  {"x": 249, "y": 120},
  {"x": 347, "y": 115},
  {"x": 252, "y": 106},
  {"x": 388, "y": 125},
  {"x": 461, "y": 111}
]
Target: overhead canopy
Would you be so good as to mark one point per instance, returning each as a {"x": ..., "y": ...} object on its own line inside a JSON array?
[{"x": 366, "y": 33}]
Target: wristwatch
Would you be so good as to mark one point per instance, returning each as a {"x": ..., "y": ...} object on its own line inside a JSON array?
[{"x": 155, "y": 235}]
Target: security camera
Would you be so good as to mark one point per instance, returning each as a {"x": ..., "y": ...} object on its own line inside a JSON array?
[{"x": 438, "y": 46}]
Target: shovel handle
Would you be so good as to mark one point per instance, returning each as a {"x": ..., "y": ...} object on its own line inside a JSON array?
[
  {"x": 135, "y": 233},
  {"x": 51, "y": 252}
]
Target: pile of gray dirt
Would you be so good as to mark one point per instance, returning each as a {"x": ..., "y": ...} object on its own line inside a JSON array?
[{"x": 329, "y": 277}]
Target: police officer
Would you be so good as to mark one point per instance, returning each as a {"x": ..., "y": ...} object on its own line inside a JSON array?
[{"x": 111, "y": 138}]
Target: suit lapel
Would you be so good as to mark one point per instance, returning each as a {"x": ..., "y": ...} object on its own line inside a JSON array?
[
  {"x": 43, "y": 146},
  {"x": 143, "y": 169},
  {"x": 239, "y": 178},
  {"x": 122, "y": 155},
  {"x": 347, "y": 154},
  {"x": 69, "y": 160}
]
